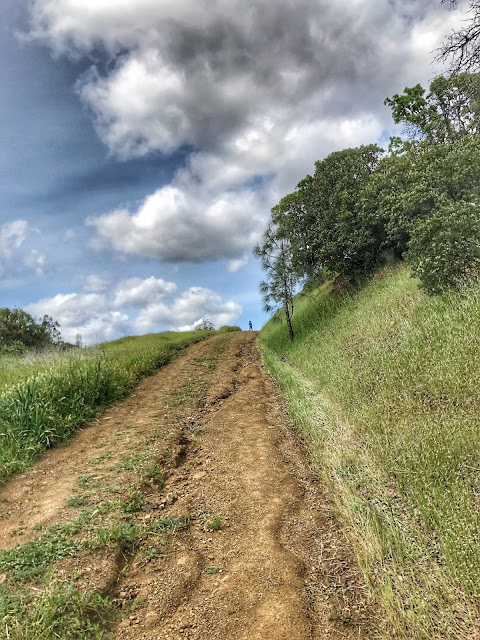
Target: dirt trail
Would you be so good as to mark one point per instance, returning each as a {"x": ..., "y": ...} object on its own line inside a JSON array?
[{"x": 263, "y": 556}]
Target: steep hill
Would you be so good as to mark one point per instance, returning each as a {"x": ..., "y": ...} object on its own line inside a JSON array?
[{"x": 383, "y": 382}]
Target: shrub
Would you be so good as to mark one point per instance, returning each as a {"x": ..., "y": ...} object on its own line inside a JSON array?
[
  {"x": 15, "y": 348},
  {"x": 444, "y": 251}
]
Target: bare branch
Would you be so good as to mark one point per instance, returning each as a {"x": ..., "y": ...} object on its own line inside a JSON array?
[{"x": 462, "y": 47}]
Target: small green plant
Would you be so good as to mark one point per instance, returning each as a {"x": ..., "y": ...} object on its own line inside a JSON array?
[
  {"x": 131, "y": 462},
  {"x": 31, "y": 560},
  {"x": 149, "y": 553},
  {"x": 61, "y": 611},
  {"x": 86, "y": 481},
  {"x": 77, "y": 501},
  {"x": 96, "y": 461},
  {"x": 135, "y": 501},
  {"x": 119, "y": 531},
  {"x": 205, "y": 362},
  {"x": 216, "y": 523},
  {"x": 211, "y": 570},
  {"x": 153, "y": 473},
  {"x": 113, "y": 488},
  {"x": 168, "y": 524},
  {"x": 157, "y": 435},
  {"x": 190, "y": 394}
]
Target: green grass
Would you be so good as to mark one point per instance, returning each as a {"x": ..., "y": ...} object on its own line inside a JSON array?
[
  {"x": 31, "y": 560},
  {"x": 57, "y": 608},
  {"x": 14, "y": 369},
  {"x": 216, "y": 523},
  {"x": 153, "y": 473},
  {"x": 35, "y": 603},
  {"x": 130, "y": 462},
  {"x": 190, "y": 394},
  {"x": 77, "y": 501},
  {"x": 384, "y": 384},
  {"x": 168, "y": 525},
  {"x": 62, "y": 612},
  {"x": 229, "y": 329},
  {"x": 143, "y": 355},
  {"x": 45, "y": 399}
]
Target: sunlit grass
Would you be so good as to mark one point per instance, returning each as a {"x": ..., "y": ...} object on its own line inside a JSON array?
[
  {"x": 384, "y": 383},
  {"x": 62, "y": 611},
  {"x": 44, "y": 398}
]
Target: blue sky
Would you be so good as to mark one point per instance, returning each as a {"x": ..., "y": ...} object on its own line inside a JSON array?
[{"x": 143, "y": 143}]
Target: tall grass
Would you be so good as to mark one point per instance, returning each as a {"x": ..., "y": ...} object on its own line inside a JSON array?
[
  {"x": 14, "y": 369},
  {"x": 61, "y": 393},
  {"x": 384, "y": 383}
]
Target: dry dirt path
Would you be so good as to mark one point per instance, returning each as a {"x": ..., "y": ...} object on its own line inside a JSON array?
[{"x": 263, "y": 556}]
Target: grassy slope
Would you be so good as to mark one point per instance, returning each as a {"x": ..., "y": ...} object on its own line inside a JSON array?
[
  {"x": 384, "y": 384},
  {"x": 45, "y": 399}
]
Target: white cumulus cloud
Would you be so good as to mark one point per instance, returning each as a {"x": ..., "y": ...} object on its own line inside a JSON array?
[
  {"x": 96, "y": 316},
  {"x": 90, "y": 315},
  {"x": 194, "y": 305},
  {"x": 136, "y": 292},
  {"x": 257, "y": 90},
  {"x": 15, "y": 254},
  {"x": 96, "y": 283},
  {"x": 175, "y": 224},
  {"x": 12, "y": 236},
  {"x": 36, "y": 261}
]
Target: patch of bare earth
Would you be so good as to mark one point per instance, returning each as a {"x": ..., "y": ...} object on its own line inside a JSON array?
[{"x": 262, "y": 557}]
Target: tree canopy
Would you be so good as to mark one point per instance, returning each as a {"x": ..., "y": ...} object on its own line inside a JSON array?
[
  {"x": 420, "y": 201},
  {"x": 451, "y": 108},
  {"x": 19, "y": 330},
  {"x": 204, "y": 325}
]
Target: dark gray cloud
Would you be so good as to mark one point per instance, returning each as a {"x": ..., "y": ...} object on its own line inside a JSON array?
[
  {"x": 197, "y": 75},
  {"x": 254, "y": 89}
]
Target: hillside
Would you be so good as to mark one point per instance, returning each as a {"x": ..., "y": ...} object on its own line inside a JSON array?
[{"x": 383, "y": 382}]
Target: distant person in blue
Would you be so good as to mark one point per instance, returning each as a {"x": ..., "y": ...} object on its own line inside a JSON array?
[{"x": 250, "y": 325}]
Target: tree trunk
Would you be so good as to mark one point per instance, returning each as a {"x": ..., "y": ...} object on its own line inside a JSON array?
[
  {"x": 289, "y": 321},
  {"x": 287, "y": 309}
]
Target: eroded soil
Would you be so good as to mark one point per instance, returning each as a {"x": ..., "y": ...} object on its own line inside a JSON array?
[{"x": 262, "y": 556}]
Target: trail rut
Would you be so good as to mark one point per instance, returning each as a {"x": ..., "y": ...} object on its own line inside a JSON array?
[{"x": 263, "y": 555}]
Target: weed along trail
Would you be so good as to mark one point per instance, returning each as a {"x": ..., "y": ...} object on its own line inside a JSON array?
[{"x": 189, "y": 511}]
